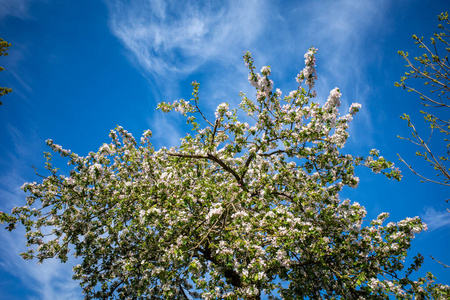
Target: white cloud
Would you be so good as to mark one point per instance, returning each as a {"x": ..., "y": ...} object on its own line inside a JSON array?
[
  {"x": 50, "y": 280},
  {"x": 15, "y": 8},
  {"x": 436, "y": 219},
  {"x": 342, "y": 29},
  {"x": 169, "y": 38}
]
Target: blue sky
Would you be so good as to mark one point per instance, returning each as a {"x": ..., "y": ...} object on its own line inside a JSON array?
[{"x": 79, "y": 68}]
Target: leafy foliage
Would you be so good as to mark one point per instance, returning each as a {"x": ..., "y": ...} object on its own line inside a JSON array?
[{"x": 241, "y": 210}]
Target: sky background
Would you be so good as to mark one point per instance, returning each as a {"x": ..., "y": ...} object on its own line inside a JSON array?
[{"x": 79, "y": 68}]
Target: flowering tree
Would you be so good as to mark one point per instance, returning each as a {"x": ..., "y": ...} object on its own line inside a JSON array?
[
  {"x": 4, "y": 47},
  {"x": 241, "y": 210}
]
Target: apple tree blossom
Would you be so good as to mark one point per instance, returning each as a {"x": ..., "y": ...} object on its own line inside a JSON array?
[{"x": 248, "y": 207}]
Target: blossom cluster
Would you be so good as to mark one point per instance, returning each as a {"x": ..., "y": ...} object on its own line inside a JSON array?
[{"x": 309, "y": 71}]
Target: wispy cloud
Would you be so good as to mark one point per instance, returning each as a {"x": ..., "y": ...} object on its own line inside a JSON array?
[
  {"x": 169, "y": 38},
  {"x": 51, "y": 280},
  {"x": 16, "y": 8},
  {"x": 436, "y": 219},
  {"x": 341, "y": 29},
  {"x": 344, "y": 31}
]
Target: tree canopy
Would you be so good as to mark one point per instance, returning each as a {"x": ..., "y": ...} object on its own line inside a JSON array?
[{"x": 247, "y": 207}]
